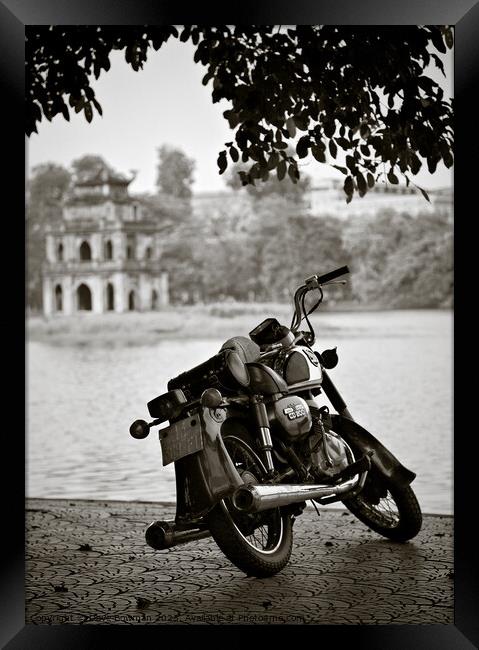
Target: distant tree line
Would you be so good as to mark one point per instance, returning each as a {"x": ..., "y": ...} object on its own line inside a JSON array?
[{"x": 397, "y": 260}]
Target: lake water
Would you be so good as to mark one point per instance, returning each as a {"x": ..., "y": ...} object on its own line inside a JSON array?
[{"x": 395, "y": 372}]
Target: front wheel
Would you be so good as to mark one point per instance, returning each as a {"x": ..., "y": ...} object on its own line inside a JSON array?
[
  {"x": 389, "y": 510},
  {"x": 258, "y": 544}
]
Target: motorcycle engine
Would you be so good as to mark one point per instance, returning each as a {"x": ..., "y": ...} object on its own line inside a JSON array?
[
  {"x": 293, "y": 416},
  {"x": 328, "y": 452}
]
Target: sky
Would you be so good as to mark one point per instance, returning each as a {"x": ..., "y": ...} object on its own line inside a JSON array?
[{"x": 166, "y": 103}]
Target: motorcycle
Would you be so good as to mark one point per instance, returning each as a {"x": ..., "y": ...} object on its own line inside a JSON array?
[{"x": 251, "y": 443}]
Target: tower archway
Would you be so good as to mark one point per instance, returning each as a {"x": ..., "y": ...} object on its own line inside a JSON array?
[
  {"x": 85, "y": 251},
  {"x": 58, "y": 298},
  {"x": 108, "y": 250},
  {"x": 83, "y": 298},
  {"x": 110, "y": 297},
  {"x": 131, "y": 301}
]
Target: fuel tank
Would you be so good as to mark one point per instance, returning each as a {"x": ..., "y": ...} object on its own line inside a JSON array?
[{"x": 299, "y": 367}]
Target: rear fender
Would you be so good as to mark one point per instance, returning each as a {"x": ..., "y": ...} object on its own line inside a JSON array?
[
  {"x": 383, "y": 461},
  {"x": 207, "y": 476}
]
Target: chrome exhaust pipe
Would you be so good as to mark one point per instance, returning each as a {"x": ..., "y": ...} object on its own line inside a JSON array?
[
  {"x": 165, "y": 534},
  {"x": 255, "y": 498}
]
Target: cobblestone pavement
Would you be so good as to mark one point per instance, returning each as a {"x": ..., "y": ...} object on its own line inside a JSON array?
[{"x": 87, "y": 563}]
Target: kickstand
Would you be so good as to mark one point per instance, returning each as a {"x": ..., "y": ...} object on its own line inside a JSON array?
[{"x": 316, "y": 508}]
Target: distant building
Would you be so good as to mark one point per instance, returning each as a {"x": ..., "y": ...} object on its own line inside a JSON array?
[
  {"x": 328, "y": 198},
  {"x": 105, "y": 255}
]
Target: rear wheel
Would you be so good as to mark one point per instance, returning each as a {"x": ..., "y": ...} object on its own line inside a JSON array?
[
  {"x": 387, "y": 509},
  {"x": 258, "y": 544}
]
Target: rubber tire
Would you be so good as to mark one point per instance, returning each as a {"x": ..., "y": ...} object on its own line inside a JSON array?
[
  {"x": 249, "y": 560},
  {"x": 410, "y": 516}
]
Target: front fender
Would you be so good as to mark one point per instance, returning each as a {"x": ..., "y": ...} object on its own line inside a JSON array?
[{"x": 382, "y": 460}]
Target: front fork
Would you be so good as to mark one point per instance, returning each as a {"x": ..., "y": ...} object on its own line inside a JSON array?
[{"x": 334, "y": 396}]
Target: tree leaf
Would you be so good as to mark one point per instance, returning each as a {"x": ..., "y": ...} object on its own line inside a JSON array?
[
  {"x": 329, "y": 128},
  {"x": 291, "y": 127},
  {"x": 302, "y": 146},
  {"x": 318, "y": 153},
  {"x": 392, "y": 178},
  {"x": 97, "y": 106},
  {"x": 365, "y": 150},
  {"x": 333, "y": 148},
  {"x": 222, "y": 161},
  {"x": 88, "y": 111},
  {"x": 364, "y": 131},
  {"x": 343, "y": 143},
  {"x": 432, "y": 165},
  {"x": 301, "y": 122},
  {"x": 370, "y": 179},
  {"x": 349, "y": 186},
  {"x": 425, "y": 194},
  {"x": 362, "y": 185},
  {"x": 351, "y": 163},
  {"x": 293, "y": 173},
  {"x": 273, "y": 160},
  {"x": 281, "y": 170},
  {"x": 234, "y": 154},
  {"x": 437, "y": 41},
  {"x": 208, "y": 76},
  {"x": 449, "y": 38},
  {"x": 438, "y": 63},
  {"x": 65, "y": 112},
  {"x": 185, "y": 34},
  {"x": 255, "y": 171},
  {"x": 243, "y": 177},
  {"x": 448, "y": 160},
  {"x": 233, "y": 118},
  {"x": 415, "y": 164}
]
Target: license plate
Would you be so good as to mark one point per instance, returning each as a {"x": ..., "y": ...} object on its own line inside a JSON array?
[{"x": 181, "y": 439}]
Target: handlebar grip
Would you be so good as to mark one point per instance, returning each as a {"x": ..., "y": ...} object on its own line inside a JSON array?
[{"x": 332, "y": 275}]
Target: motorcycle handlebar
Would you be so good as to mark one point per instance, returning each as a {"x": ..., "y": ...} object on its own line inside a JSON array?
[{"x": 332, "y": 275}]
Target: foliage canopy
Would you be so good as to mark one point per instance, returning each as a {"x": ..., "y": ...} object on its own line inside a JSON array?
[{"x": 358, "y": 98}]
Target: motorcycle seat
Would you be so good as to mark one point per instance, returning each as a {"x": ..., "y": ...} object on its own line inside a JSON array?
[{"x": 246, "y": 348}]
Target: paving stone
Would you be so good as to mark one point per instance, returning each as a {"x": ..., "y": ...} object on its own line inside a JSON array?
[{"x": 360, "y": 579}]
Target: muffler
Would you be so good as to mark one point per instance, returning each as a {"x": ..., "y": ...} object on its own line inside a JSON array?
[
  {"x": 256, "y": 498},
  {"x": 165, "y": 534}
]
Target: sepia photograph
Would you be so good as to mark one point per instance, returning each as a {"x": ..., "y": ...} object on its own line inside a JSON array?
[{"x": 239, "y": 324}]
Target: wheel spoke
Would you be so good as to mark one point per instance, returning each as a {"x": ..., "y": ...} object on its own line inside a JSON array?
[
  {"x": 385, "y": 513},
  {"x": 260, "y": 531}
]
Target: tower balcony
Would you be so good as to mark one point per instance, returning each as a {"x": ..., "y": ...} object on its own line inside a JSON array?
[{"x": 98, "y": 266}]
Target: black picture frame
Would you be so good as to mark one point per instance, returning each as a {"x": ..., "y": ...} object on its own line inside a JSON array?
[{"x": 14, "y": 15}]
